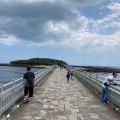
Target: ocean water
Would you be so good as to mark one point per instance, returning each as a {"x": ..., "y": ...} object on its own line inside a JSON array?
[
  {"x": 104, "y": 74},
  {"x": 8, "y": 73}
]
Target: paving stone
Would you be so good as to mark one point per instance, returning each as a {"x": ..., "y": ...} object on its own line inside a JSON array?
[
  {"x": 73, "y": 117},
  {"x": 3, "y": 118},
  {"x": 81, "y": 117},
  {"x": 75, "y": 111},
  {"x": 27, "y": 117},
  {"x": 45, "y": 106},
  {"x": 52, "y": 107},
  {"x": 38, "y": 118},
  {"x": 61, "y": 117},
  {"x": 43, "y": 112}
]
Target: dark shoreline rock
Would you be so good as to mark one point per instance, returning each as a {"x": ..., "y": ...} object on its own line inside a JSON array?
[
  {"x": 98, "y": 69},
  {"x": 22, "y": 65}
]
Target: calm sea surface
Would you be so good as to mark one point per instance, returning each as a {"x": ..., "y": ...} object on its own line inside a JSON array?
[
  {"x": 103, "y": 75},
  {"x": 8, "y": 73}
]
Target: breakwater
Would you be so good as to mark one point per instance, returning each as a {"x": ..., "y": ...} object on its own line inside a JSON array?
[{"x": 98, "y": 69}]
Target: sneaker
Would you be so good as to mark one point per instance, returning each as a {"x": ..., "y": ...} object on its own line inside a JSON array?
[{"x": 27, "y": 100}]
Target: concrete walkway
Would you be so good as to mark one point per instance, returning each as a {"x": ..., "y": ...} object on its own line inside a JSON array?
[{"x": 56, "y": 99}]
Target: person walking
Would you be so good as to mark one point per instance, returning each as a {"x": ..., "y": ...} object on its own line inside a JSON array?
[
  {"x": 68, "y": 76},
  {"x": 71, "y": 73},
  {"x": 105, "y": 85},
  {"x": 28, "y": 84}
]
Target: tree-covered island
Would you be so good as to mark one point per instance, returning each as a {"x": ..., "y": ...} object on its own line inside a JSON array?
[{"x": 38, "y": 61}]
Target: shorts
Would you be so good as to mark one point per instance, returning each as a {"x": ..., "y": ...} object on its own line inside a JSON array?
[
  {"x": 28, "y": 90},
  {"x": 71, "y": 73}
]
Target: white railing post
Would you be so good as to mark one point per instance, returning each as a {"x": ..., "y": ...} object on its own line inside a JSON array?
[
  {"x": 90, "y": 75},
  {"x": 13, "y": 92},
  {"x": 13, "y": 83},
  {"x": 85, "y": 74},
  {"x": 96, "y": 81},
  {"x": 96, "y": 78},
  {"x": 1, "y": 88}
]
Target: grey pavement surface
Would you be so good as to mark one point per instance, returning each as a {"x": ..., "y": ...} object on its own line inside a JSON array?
[{"x": 56, "y": 99}]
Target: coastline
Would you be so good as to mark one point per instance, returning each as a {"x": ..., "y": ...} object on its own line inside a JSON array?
[
  {"x": 22, "y": 65},
  {"x": 85, "y": 68},
  {"x": 97, "y": 69}
]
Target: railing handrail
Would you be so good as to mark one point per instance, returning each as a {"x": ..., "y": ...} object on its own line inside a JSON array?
[
  {"x": 99, "y": 77},
  {"x": 9, "y": 96},
  {"x": 20, "y": 79},
  {"x": 96, "y": 84}
]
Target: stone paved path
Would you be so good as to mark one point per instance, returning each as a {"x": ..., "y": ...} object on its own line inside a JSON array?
[{"x": 56, "y": 99}]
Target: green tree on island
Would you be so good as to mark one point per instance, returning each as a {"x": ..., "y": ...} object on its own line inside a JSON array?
[{"x": 39, "y": 61}]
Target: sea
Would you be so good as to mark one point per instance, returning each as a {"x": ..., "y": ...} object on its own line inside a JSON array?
[
  {"x": 102, "y": 75},
  {"x": 9, "y": 73}
]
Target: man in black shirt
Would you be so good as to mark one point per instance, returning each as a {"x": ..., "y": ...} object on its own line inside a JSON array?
[{"x": 28, "y": 83}]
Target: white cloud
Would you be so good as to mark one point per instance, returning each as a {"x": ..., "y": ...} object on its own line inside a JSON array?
[
  {"x": 87, "y": 42},
  {"x": 110, "y": 23},
  {"x": 92, "y": 40},
  {"x": 8, "y": 39},
  {"x": 114, "y": 7}
]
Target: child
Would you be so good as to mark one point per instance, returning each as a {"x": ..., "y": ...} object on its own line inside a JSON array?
[{"x": 68, "y": 76}]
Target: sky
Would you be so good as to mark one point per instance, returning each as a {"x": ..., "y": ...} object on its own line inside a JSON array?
[{"x": 79, "y": 32}]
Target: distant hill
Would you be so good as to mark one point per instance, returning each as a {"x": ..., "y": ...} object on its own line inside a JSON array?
[{"x": 39, "y": 61}]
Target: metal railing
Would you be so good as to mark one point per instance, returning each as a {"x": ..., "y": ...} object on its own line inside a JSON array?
[
  {"x": 94, "y": 82},
  {"x": 13, "y": 91}
]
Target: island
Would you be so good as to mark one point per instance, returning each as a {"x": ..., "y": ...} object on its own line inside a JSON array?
[{"x": 35, "y": 63}]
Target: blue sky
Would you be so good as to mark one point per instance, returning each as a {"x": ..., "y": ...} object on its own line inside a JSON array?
[{"x": 80, "y": 32}]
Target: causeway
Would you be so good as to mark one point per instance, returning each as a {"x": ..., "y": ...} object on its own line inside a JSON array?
[{"x": 56, "y": 99}]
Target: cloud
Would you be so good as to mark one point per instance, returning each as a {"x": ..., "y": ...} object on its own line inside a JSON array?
[
  {"x": 86, "y": 2},
  {"x": 86, "y": 41},
  {"x": 58, "y": 23},
  {"x": 114, "y": 7},
  {"x": 109, "y": 24},
  {"x": 9, "y": 39},
  {"x": 30, "y": 21}
]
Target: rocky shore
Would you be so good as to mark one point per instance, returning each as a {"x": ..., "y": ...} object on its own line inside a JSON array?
[
  {"x": 22, "y": 65},
  {"x": 97, "y": 69}
]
